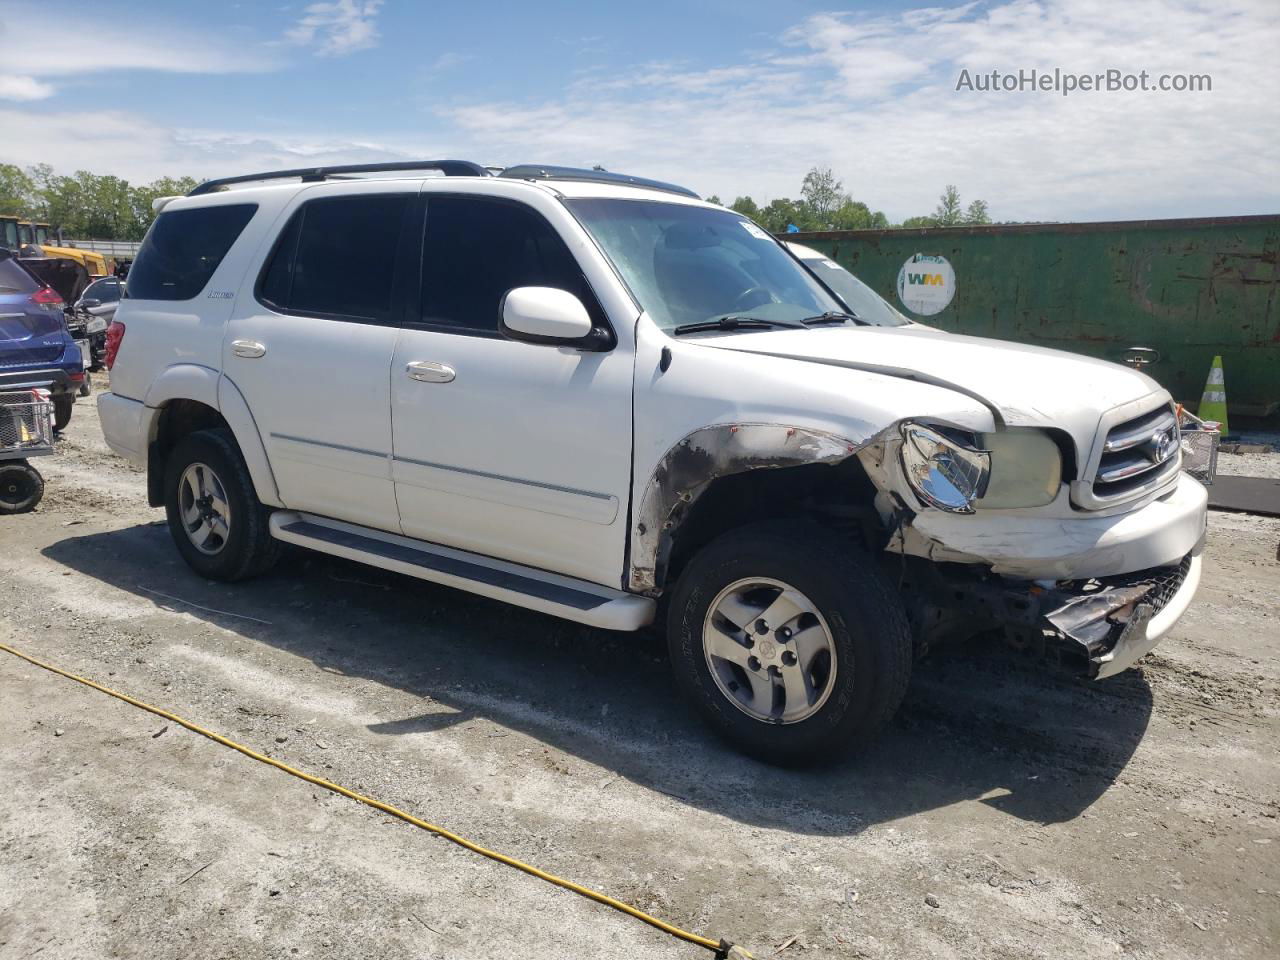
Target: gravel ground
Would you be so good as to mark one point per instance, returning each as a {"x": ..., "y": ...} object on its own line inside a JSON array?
[
  {"x": 1249, "y": 464},
  {"x": 1009, "y": 812}
]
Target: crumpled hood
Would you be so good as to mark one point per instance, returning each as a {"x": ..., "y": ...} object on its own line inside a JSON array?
[{"x": 1030, "y": 386}]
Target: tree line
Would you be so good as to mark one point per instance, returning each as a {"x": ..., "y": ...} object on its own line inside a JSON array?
[
  {"x": 93, "y": 207},
  {"x": 824, "y": 205},
  {"x": 84, "y": 205}
]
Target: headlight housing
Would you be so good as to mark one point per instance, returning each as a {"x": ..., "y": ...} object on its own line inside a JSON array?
[
  {"x": 944, "y": 472},
  {"x": 1026, "y": 469}
]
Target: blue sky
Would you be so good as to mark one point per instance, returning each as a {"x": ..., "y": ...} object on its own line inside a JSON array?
[{"x": 728, "y": 97}]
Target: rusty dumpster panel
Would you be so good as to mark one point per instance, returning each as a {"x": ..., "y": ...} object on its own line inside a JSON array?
[{"x": 1189, "y": 289}]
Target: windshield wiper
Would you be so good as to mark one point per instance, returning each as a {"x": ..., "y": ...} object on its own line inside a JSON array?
[
  {"x": 834, "y": 316},
  {"x": 731, "y": 322}
]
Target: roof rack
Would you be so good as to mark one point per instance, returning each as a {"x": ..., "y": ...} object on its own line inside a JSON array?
[
  {"x": 450, "y": 168},
  {"x": 538, "y": 171}
]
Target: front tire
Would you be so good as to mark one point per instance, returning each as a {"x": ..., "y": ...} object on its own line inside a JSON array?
[
  {"x": 215, "y": 518},
  {"x": 790, "y": 642}
]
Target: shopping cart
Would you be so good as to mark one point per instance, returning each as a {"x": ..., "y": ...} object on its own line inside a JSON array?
[
  {"x": 26, "y": 430},
  {"x": 1199, "y": 446}
]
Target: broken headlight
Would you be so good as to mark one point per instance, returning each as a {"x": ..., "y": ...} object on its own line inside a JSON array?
[
  {"x": 1026, "y": 469},
  {"x": 944, "y": 471}
]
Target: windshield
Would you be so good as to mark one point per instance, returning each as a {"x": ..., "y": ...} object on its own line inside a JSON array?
[
  {"x": 687, "y": 264},
  {"x": 858, "y": 297}
]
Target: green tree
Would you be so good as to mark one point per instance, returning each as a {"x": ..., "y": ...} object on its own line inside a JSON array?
[
  {"x": 912, "y": 223},
  {"x": 948, "y": 212},
  {"x": 976, "y": 213},
  {"x": 88, "y": 206},
  {"x": 747, "y": 207},
  {"x": 41, "y": 175},
  {"x": 142, "y": 198},
  {"x": 823, "y": 193},
  {"x": 17, "y": 191},
  {"x": 852, "y": 215},
  {"x": 781, "y": 213},
  {"x": 716, "y": 200}
]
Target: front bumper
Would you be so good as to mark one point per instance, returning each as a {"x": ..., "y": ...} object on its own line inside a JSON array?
[
  {"x": 1099, "y": 626},
  {"x": 1044, "y": 546},
  {"x": 1147, "y": 626},
  {"x": 1117, "y": 620}
]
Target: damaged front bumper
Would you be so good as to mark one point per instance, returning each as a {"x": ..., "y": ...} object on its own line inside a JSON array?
[
  {"x": 1117, "y": 620},
  {"x": 1099, "y": 626}
]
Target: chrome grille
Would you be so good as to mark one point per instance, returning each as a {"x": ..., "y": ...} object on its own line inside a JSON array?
[{"x": 1137, "y": 454}]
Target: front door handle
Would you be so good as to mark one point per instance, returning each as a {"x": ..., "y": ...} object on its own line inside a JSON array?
[
  {"x": 428, "y": 371},
  {"x": 249, "y": 349}
]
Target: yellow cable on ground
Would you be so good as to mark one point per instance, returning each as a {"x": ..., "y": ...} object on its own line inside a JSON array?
[{"x": 722, "y": 948}]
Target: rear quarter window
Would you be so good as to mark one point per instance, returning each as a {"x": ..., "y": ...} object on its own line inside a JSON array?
[
  {"x": 14, "y": 279},
  {"x": 182, "y": 250}
]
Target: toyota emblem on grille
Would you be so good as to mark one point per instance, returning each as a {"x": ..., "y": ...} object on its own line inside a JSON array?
[{"x": 1165, "y": 445}]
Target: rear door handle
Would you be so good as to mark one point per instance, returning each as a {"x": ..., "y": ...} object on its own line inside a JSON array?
[
  {"x": 428, "y": 371},
  {"x": 249, "y": 349}
]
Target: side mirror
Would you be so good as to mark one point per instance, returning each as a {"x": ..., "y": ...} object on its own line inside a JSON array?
[
  {"x": 547, "y": 315},
  {"x": 89, "y": 302}
]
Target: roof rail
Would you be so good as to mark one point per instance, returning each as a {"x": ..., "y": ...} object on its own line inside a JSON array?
[
  {"x": 450, "y": 168},
  {"x": 538, "y": 171}
]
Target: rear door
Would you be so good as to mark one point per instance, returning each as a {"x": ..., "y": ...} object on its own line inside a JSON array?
[
  {"x": 311, "y": 349},
  {"x": 514, "y": 450}
]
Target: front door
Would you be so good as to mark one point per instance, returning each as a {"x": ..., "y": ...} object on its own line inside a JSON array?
[
  {"x": 514, "y": 450},
  {"x": 311, "y": 351}
]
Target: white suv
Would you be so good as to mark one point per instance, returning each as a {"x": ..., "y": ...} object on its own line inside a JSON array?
[{"x": 600, "y": 397}]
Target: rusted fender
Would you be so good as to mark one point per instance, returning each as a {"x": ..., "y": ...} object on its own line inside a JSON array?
[{"x": 707, "y": 454}]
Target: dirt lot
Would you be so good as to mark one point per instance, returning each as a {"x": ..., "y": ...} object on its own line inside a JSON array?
[{"x": 1008, "y": 813}]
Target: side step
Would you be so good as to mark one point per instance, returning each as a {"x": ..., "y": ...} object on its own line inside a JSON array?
[{"x": 566, "y": 597}]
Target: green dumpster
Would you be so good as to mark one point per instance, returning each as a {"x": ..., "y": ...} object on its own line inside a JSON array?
[{"x": 1164, "y": 295}]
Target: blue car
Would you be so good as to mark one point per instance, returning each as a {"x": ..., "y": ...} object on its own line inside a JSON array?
[{"x": 36, "y": 349}]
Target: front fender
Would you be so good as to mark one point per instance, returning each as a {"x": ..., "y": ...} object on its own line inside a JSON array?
[{"x": 704, "y": 455}]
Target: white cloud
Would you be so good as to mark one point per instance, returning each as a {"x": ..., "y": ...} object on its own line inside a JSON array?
[
  {"x": 337, "y": 28},
  {"x": 872, "y": 97},
  {"x": 123, "y": 143},
  {"x": 86, "y": 45},
  {"x": 449, "y": 60},
  {"x": 875, "y": 99},
  {"x": 13, "y": 87}
]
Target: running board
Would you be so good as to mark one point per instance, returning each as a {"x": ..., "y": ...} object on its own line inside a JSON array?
[{"x": 560, "y": 596}]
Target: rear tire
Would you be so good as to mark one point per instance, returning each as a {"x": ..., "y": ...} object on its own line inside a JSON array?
[
  {"x": 215, "y": 518},
  {"x": 62, "y": 411},
  {"x": 21, "y": 487},
  {"x": 825, "y": 678}
]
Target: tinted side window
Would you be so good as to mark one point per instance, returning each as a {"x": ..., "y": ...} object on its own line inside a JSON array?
[
  {"x": 183, "y": 248},
  {"x": 108, "y": 291},
  {"x": 475, "y": 250},
  {"x": 15, "y": 279},
  {"x": 277, "y": 280},
  {"x": 336, "y": 257}
]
